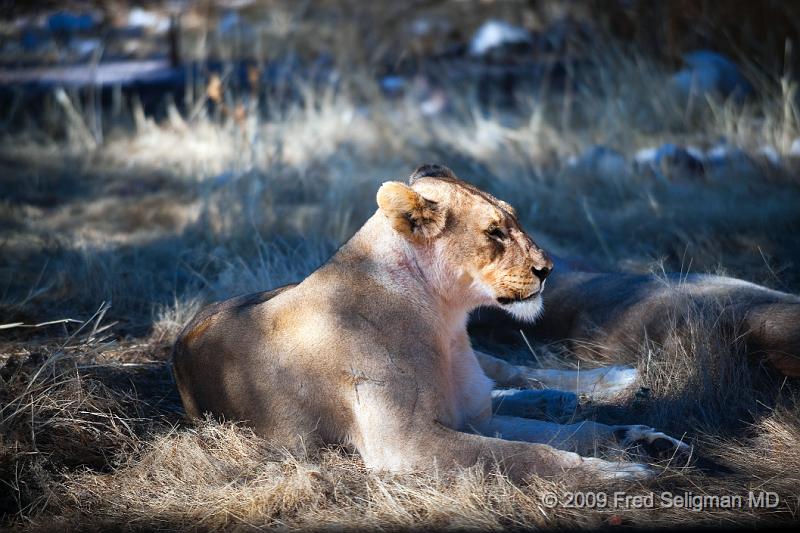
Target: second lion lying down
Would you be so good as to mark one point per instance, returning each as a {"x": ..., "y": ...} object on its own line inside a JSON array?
[{"x": 371, "y": 350}]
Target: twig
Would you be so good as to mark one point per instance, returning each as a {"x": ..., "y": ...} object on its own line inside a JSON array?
[{"x": 40, "y": 324}]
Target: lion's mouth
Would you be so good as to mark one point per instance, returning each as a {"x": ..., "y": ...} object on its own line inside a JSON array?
[
  {"x": 531, "y": 296},
  {"x": 507, "y": 301}
]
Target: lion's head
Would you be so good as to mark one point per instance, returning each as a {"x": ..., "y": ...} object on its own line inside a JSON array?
[{"x": 474, "y": 240}]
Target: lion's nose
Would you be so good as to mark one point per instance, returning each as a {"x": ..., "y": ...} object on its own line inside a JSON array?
[{"x": 543, "y": 270}]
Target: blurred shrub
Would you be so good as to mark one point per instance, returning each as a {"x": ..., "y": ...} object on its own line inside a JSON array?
[{"x": 757, "y": 30}]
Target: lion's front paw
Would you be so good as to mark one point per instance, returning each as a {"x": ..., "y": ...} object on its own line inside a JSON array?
[
  {"x": 656, "y": 444},
  {"x": 609, "y": 382}
]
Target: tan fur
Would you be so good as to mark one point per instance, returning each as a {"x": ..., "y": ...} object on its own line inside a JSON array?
[
  {"x": 371, "y": 350},
  {"x": 191, "y": 335}
]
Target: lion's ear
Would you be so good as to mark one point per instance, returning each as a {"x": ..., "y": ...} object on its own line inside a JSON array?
[
  {"x": 409, "y": 212},
  {"x": 508, "y": 208}
]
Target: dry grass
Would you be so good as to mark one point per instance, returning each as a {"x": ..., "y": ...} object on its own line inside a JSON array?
[
  {"x": 151, "y": 473},
  {"x": 165, "y": 215}
]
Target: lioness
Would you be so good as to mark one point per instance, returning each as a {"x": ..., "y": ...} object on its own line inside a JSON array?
[
  {"x": 606, "y": 316},
  {"x": 371, "y": 350}
]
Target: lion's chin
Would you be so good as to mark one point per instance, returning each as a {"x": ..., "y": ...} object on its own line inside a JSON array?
[{"x": 526, "y": 310}]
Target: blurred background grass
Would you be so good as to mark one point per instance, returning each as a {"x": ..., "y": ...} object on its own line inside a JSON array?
[
  {"x": 158, "y": 130},
  {"x": 158, "y": 155}
]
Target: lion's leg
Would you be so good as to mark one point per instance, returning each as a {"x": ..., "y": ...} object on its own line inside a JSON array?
[
  {"x": 405, "y": 439},
  {"x": 527, "y": 403},
  {"x": 503, "y": 373},
  {"x": 582, "y": 437},
  {"x": 602, "y": 382}
]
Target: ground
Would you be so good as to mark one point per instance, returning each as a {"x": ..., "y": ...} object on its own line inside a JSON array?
[{"x": 109, "y": 246}]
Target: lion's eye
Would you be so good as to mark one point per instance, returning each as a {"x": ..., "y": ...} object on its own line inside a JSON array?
[{"x": 495, "y": 232}]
